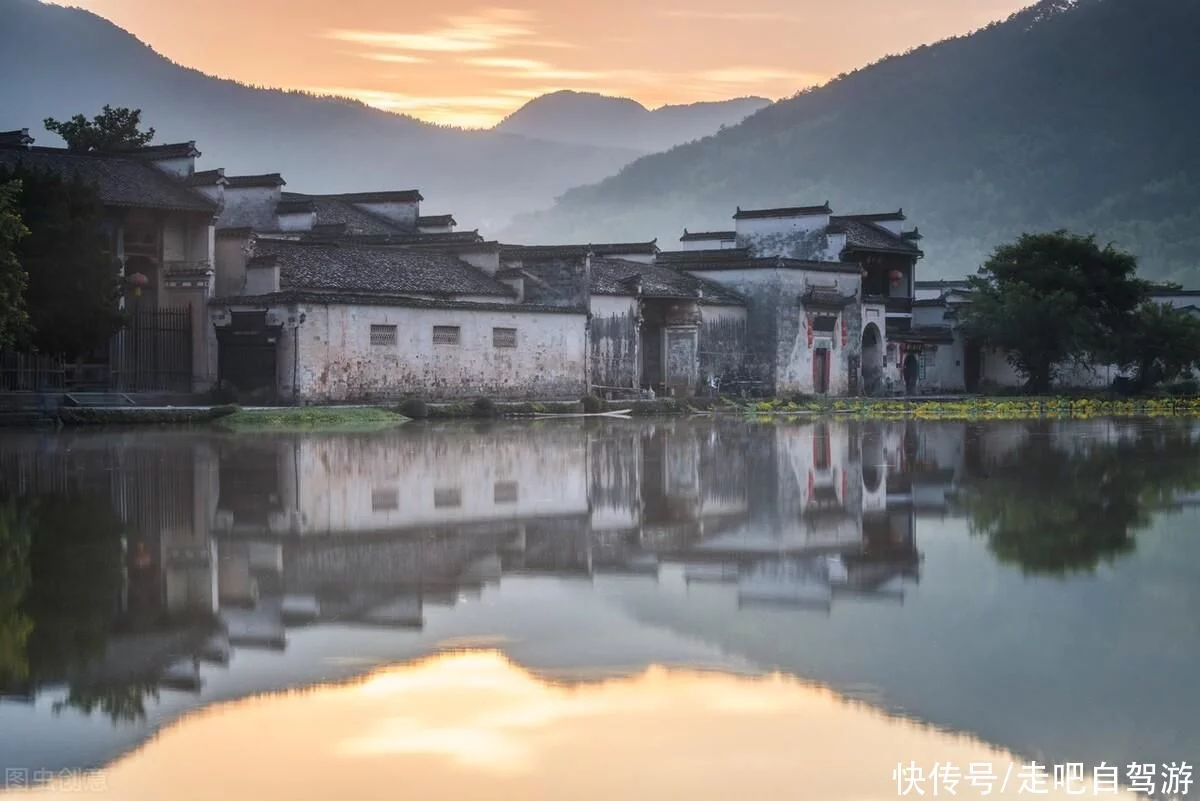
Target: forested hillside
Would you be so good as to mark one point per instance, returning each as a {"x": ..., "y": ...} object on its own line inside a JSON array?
[{"x": 1068, "y": 114}]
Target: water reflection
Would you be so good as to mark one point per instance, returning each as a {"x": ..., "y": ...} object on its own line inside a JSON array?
[
  {"x": 145, "y": 574},
  {"x": 477, "y": 726}
]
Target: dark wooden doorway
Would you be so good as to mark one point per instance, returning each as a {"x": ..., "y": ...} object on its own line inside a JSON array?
[
  {"x": 821, "y": 371},
  {"x": 972, "y": 365},
  {"x": 247, "y": 361}
]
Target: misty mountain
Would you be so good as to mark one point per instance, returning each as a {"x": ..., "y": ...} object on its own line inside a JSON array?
[
  {"x": 1070, "y": 113},
  {"x": 593, "y": 119},
  {"x": 59, "y": 61}
]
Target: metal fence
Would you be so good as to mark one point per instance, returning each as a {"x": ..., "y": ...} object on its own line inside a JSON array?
[
  {"x": 153, "y": 353},
  {"x": 31, "y": 372}
]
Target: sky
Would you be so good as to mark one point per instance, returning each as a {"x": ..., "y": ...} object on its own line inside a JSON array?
[{"x": 471, "y": 62}]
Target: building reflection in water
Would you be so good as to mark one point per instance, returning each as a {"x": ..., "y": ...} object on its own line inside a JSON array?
[{"x": 230, "y": 541}]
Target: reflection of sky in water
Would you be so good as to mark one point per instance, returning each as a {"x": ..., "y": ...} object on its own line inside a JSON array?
[
  {"x": 1086, "y": 666},
  {"x": 473, "y": 725}
]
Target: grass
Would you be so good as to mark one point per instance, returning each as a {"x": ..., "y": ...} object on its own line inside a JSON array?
[
  {"x": 976, "y": 408},
  {"x": 312, "y": 419}
]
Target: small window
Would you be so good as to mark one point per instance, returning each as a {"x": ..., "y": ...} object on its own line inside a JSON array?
[
  {"x": 447, "y": 498},
  {"x": 383, "y": 336},
  {"x": 504, "y": 337},
  {"x": 385, "y": 500},
  {"x": 445, "y": 334},
  {"x": 505, "y": 492}
]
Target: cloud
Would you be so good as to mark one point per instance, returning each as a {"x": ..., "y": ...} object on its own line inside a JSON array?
[
  {"x": 484, "y": 30},
  {"x": 532, "y": 68},
  {"x": 730, "y": 16},
  {"x": 393, "y": 58},
  {"x": 753, "y": 75}
]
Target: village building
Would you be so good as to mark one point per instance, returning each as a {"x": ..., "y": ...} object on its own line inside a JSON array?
[
  {"x": 160, "y": 226},
  {"x": 829, "y": 299}
]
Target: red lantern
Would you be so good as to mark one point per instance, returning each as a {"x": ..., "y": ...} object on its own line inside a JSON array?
[
  {"x": 810, "y": 335},
  {"x": 896, "y": 277},
  {"x": 845, "y": 335},
  {"x": 138, "y": 281}
]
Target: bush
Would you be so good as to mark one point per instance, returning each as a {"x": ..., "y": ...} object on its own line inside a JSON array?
[
  {"x": 483, "y": 407},
  {"x": 591, "y": 404},
  {"x": 414, "y": 408},
  {"x": 1184, "y": 388}
]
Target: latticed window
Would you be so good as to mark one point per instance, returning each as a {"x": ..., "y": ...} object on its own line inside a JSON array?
[
  {"x": 383, "y": 335},
  {"x": 505, "y": 492},
  {"x": 504, "y": 337},
  {"x": 445, "y": 334},
  {"x": 447, "y": 498},
  {"x": 385, "y": 500}
]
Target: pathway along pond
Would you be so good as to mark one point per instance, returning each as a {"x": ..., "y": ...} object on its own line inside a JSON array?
[{"x": 701, "y": 608}]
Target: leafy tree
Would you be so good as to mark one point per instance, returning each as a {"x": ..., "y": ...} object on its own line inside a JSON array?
[
  {"x": 13, "y": 319},
  {"x": 1161, "y": 344},
  {"x": 112, "y": 130},
  {"x": 74, "y": 286},
  {"x": 15, "y": 625},
  {"x": 1056, "y": 507},
  {"x": 1049, "y": 298}
]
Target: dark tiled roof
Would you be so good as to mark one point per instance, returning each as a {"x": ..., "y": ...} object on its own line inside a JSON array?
[
  {"x": 295, "y": 207},
  {"x": 437, "y": 219},
  {"x": 351, "y": 267},
  {"x": 830, "y": 298},
  {"x": 206, "y": 178},
  {"x": 944, "y": 284},
  {"x": 704, "y": 236},
  {"x": 245, "y": 181},
  {"x": 885, "y": 216},
  {"x": 619, "y": 277},
  {"x": 740, "y": 259},
  {"x": 178, "y": 150},
  {"x": 120, "y": 181},
  {"x": 384, "y": 299},
  {"x": 791, "y": 211},
  {"x": 456, "y": 238},
  {"x": 400, "y": 196},
  {"x": 333, "y": 210},
  {"x": 863, "y": 235},
  {"x": 17, "y": 138},
  {"x": 233, "y": 233},
  {"x": 534, "y": 252}
]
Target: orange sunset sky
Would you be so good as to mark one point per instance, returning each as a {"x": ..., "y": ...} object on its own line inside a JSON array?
[{"x": 470, "y": 62}]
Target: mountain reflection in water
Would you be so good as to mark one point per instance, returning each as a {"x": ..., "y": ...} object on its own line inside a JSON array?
[
  {"x": 1032, "y": 585},
  {"x": 475, "y": 726}
]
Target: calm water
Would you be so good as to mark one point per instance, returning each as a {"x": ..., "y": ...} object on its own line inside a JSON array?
[{"x": 700, "y": 609}]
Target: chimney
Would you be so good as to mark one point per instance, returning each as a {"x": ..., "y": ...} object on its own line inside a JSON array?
[{"x": 16, "y": 139}]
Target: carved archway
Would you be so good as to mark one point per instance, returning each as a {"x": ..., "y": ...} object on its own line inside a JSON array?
[{"x": 872, "y": 359}]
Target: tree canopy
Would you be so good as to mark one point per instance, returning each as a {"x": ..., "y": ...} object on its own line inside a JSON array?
[
  {"x": 74, "y": 284},
  {"x": 13, "y": 319},
  {"x": 112, "y": 130},
  {"x": 1051, "y": 298}
]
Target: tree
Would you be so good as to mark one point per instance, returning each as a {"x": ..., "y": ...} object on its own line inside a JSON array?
[
  {"x": 74, "y": 285},
  {"x": 13, "y": 319},
  {"x": 112, "y": 130},
  {"x": 1050, "y": 298},
  {"x": 1056, "y": 505},
  {"x": 1161, "y": 344}
]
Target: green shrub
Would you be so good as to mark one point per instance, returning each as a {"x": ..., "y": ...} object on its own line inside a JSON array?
[
  {"x": 414, "y": 408},
  {"x": 483, "y": 407},
  {"x": 591, "y": 404}
]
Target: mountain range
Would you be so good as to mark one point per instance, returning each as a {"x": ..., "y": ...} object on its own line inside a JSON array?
[
  {"x": 59, "y": 61},
  {"x": 1068, "y": 114},
  {"x": 591, "y": 119}
]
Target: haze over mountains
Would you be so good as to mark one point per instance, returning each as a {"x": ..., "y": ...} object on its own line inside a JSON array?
[
  {"x": 592, "y": 119},
  {"x": 1071, "y": 113},
  {"x": 62, "y": 61}
]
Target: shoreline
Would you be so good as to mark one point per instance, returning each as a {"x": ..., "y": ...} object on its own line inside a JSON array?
[{"x": 374, "y": 416}]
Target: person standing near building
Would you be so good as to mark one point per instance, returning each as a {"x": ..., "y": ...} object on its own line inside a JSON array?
[{"x": 912, "y": 371}]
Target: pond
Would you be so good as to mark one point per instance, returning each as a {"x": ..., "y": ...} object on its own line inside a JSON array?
[{"x": 702, "y": 608}]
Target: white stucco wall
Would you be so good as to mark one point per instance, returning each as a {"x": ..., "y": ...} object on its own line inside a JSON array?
[
  {"x": 250, "y": 207},
  {"x": 337, "y": 361},
  {"x": 755, "y": 227},
  {"x": 708, "y": 244},
  {"x": 181, "y": 167},
  {"x": 402, "y": 213},
  {"x": 300, "y": 221},
  {"x": 394, "y": 482}
]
